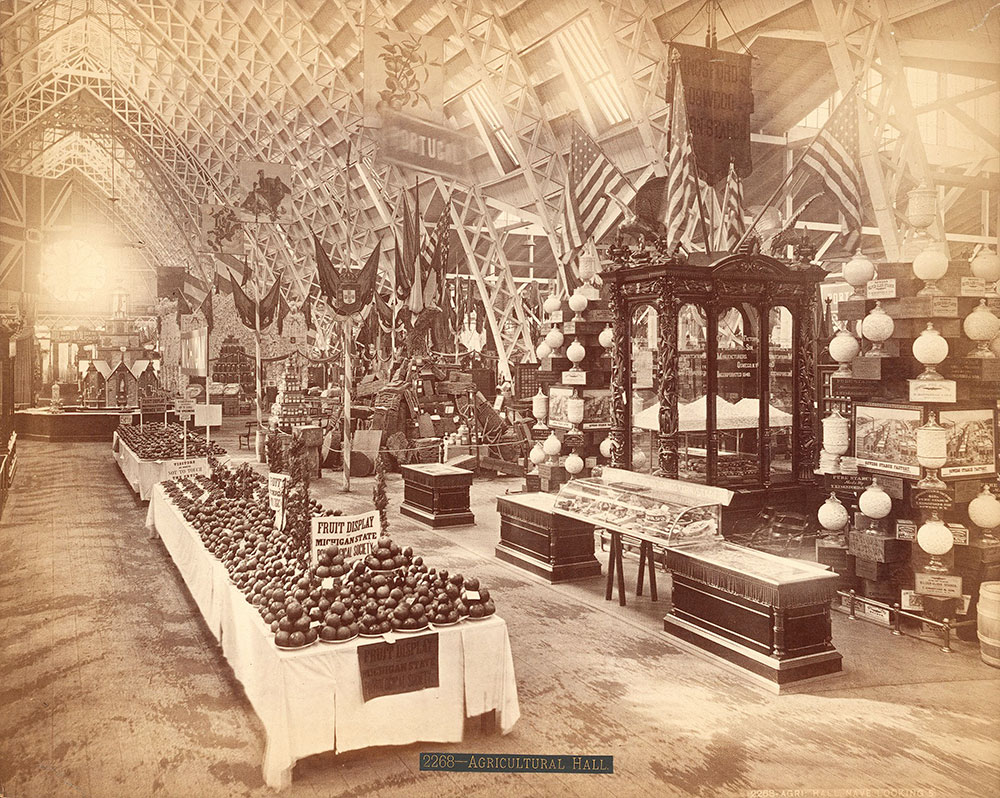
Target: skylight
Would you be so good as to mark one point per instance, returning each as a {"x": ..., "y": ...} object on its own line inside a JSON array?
[
  {"x": 586, "y": 55},
  {"x": 499, "y": 139}
]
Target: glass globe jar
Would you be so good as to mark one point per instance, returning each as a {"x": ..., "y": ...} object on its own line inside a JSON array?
[
  {"x": 537, "y": 454},
  {"x": 930, "y": 348},
  {"x": 573, "y": 464},
  {"x": 875, "y": 504},
  {"x": 986, "y": 265},
  {"x": 606, "y": 447},
  {"x": 551, "y": 304},
  {"x": 576, "y": 353},
  {"x": 843, "y": 348},
  {"x": 578, "y": 303},
  {"x": 984, "y": 512},
  {"x": 936, "y": 539},
  {"x": 639, "y": 460},
  {"x": 982, "y": 327},
  {"x": 554, "y": 338},
  {"x": 832, "y": 514},
  {"x": 607, "y": 337},
  {"x": 552, "y": 446},
  {"x": 575, "y": 409},
  {"x": 878, "y": 328},
  {"x": 857, "y": 272},
  {"x": 930, "y": 266},
  {"x": 543, "y": 350}
]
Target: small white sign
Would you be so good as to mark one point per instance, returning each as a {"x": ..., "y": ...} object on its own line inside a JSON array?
[
  {"x": 881, "y": 289},
  {"x": 125, "y": 419},
  {"x": 960, "y": 533},
  {"x": 191, "y": 467},
  {"x": 972, "y": 286},
  {"x": 943, "y": 391},
  {"x": 911, "y": 601},
  {"x": 277, "y": 484},
  {"x": 880, "y": 615},
  {"x": 906, "y": 529},
  {"x": 184, "y": 406},
  {"x": 939, "y": 585}
]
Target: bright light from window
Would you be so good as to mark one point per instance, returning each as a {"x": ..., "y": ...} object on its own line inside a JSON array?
[
  {"x": 491, "y": 120},
  {"x": 580, "y": 44},
  {"x": 72, "y": 270}
]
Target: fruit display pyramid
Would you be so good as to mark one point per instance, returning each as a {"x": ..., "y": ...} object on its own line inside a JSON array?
[{"x": 291, "y": 406}]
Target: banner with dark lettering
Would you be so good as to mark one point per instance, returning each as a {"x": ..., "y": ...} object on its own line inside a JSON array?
[
  {"x": 354, "y": 535},
  {"x": 421, "y": 145},
  {"x": 404, "y": 666},
  {"x": 719, "y": 103}
]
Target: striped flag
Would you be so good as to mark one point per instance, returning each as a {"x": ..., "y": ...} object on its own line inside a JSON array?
[
  {"x": 227, "y": 265},
  {"x": 593, "y": 180},
  {"x": 733, "y": 226},
  {"x": 833, "y": 155},
  {"x": 682, "y": 184}
]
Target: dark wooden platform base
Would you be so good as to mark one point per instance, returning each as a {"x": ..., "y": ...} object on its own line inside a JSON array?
[
  {"x": 437, "y": 520},
  {"x": 777, "y": 671},
  {"x": 553, "y": 572}
]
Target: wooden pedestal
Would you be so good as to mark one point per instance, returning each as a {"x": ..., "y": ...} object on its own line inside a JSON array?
[
  {"x": 437, "y": 494},
  {"x": 777, "y": 627},
  {"x": 554, "y": 547}
]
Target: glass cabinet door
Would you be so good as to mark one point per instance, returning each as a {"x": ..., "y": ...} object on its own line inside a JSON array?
[
  {"x": 738, "y": 395},
  {"x": 644, "y": 406},
  {"x": 780, "y": 394},
  {"x": 692, "y": 390}
]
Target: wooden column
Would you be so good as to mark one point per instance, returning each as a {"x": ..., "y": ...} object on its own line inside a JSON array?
[{"x": 667, "y": 308}]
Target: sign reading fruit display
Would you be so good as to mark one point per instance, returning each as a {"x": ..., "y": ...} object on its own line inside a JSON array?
[
  {"x": 356, "y": 536},
  {"x": 401, "y": 667}
]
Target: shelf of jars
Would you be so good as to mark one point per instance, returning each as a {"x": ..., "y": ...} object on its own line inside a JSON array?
[{"x": 910, "y": 456}]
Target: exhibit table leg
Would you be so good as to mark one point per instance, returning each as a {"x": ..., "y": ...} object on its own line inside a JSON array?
[{"x": 646, "y": 560}]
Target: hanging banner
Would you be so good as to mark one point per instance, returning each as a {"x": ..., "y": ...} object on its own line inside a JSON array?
[
  {"x": 403, "y": 72},
  {"x": 221, "y": 230},
  {"x": 265, "y": 191},
  {"x": 719, "y": 103},
  {"x": 421, "y": 145}
]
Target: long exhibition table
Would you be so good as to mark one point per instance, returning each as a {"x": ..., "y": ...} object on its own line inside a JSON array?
[
  {"x": 310, "y": 701},
  {"x": 141, "y": 474}
]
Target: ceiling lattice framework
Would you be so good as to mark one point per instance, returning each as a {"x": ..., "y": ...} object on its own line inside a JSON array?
[{"x": 176, "y": 93}]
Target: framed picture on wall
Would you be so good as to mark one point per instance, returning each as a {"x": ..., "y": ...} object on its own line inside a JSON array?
[
  {"x": 885, "y": 438},
  {"x": 971, "y": 442}
]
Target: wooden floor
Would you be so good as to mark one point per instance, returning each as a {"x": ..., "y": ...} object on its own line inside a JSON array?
[{"x": 110, "y": 685}]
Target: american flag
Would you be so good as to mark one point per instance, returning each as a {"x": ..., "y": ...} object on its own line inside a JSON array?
[
  {"x": 593, "y": 180},
  {"x": 682, "y": 185},
  {"x": 833, "y": 155},
  {"x": 733, "y": 226}
]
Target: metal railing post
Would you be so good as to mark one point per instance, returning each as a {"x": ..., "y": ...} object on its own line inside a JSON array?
[
  {"x": 850, "y": 607},
  {"x": 946, "y": 648},
  {"x": 896, "y": 619}
]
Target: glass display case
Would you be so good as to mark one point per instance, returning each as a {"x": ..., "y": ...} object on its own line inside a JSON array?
[{"x": 666, "y": 511}]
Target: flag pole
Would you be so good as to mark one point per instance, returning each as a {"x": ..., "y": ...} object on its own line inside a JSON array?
[
  {"x": 795, "y": 166},
  {"x": 345, "y": 336}
]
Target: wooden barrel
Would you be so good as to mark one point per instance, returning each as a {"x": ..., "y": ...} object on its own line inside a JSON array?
[{"x": 989, "y": 623}]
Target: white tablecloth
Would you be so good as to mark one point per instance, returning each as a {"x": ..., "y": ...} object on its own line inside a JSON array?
[
  {"x": 310, "y": 700},
  {"x": 141, "y": 474}
]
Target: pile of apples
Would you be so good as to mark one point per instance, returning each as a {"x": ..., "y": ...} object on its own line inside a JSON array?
[
  {"x": 165, "y": 442},
  {"x": 334, "y": 601}
]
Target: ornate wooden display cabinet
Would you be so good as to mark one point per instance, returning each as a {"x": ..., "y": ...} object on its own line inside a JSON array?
[{"x": 732, "y": 345}]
